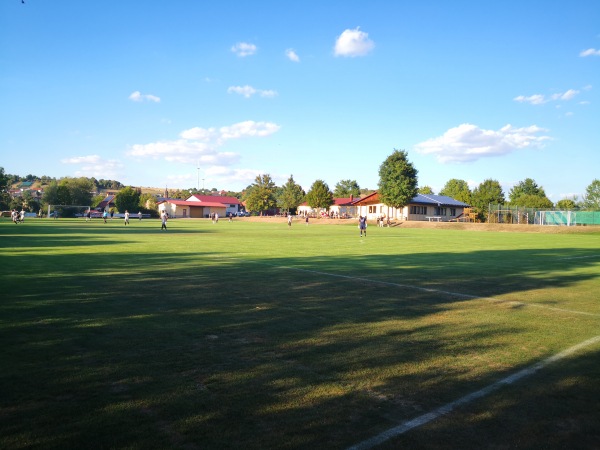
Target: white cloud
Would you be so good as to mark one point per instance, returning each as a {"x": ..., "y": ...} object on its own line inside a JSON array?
[
  {"x": 202, "y": 144},
  {"x": 566, "y": 95},
  {"x": 243, "y": 49},
  {"x": 468, "y": 142},
  {"x": 227, "y": 175},
  {"x": 95, "y": 166},
  {"x": 137, "y": 96},
  {"x": 249, "y": 128},
  {"x": 536, "y": 99},
  {"x": 89, "y": 159},
  {"x": 353, "y": 43},
  {"x": 249, "y": 91},
  {"x": 292, "y": 55},
  {"x": 589, "y": 52},
  {"x": 268, "y": 93},
  {"x": 539, "y": 99},
  {"x": 246, "y": 91},
  {"x": 199, "y": 134}
]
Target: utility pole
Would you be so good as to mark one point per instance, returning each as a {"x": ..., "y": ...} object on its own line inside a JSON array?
[{"x": 198, "y": 166}]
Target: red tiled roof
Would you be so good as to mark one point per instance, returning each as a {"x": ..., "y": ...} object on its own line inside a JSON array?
[
  {"x": 342, "y": 201},
  {"x": 368, "y": 200},
  {"x": 214, "y": 198},
  {"x": 193, "y": 203}
]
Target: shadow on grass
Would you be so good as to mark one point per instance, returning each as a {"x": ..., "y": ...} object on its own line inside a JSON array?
[{"x": 152, "y": 350}]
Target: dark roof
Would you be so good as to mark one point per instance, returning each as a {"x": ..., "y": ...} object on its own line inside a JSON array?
[
  {"x": 420, "y": 199},
  {"x": 440, "y": 200}
]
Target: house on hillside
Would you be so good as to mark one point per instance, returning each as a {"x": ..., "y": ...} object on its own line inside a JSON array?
[
  {"x": 107, "y": 203},
  {"x": 421, "y": 207},
  {"x": 199, "y": 206}
]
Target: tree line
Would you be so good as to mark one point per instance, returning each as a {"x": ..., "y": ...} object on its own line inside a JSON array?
[{"x": 398, "y": 184}]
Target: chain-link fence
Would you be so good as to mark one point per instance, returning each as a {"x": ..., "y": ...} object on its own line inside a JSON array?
[{"x": 533, "y": 216}]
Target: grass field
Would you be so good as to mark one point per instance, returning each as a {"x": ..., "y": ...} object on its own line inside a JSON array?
[{"x": 258, "y": 336}]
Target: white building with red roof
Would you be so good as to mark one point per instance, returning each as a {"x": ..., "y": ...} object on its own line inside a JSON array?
[{"x": 199, "y": 206}]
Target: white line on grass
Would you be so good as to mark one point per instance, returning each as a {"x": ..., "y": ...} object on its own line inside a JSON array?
[
  {"x": 436, "y": 413},
  {"x": 435, "y": 291},
  {"x": 580, "y": 257}
]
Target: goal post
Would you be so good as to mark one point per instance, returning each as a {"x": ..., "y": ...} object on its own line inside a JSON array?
[{"x": 56, "y": 211}]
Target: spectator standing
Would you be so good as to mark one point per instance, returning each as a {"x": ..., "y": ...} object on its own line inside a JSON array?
[{"x": 164, "y": 216}]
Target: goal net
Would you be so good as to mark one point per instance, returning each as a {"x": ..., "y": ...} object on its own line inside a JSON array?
[
  {"x": 57, "y": 211},
  {"x": 567, "y": 218}
]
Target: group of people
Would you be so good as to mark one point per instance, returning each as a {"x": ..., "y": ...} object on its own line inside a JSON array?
[
  {"x": 382, "y": 221},
  {"x": 17, "y": 217},
  {"x": 289, "y": 219}
]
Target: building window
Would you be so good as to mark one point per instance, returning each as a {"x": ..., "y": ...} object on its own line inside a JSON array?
[
  {"x": 452, "y": 211},
  {"x": 415, "y": 209},
  {"x": 439, "y": 211}
]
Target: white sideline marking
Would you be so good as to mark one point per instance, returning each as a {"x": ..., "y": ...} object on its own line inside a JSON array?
[
  {"x": 435, "y": 291},
  {"x": 436, "y": 413},
  {"x": 579, "y": 257}
]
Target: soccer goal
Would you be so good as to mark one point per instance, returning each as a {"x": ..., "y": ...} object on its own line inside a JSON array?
[
  {"x": 56, "y": 211},
  {"x": 568, "y": 218},
  {"x": 565, "y": 218}
]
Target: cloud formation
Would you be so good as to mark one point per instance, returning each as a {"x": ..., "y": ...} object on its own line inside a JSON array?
[
  {"x": 95, "y": 166},
  {"x": 467, "y": 142},
  {"x": 243, "y": 49},
  {"x": 539, "y": 99},
  {"x": 137, "y": 96},
  {"x": 589, "y": 52},
  {"x": 249, "y": 91},
  {"x": 202, "y": 144},
  {"x": 353, "y": 43},
  {"x": 292, "y": 55}
]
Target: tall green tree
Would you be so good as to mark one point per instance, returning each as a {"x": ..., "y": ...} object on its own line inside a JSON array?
[
  {"x": 397, "y": 180},
  {"x": 488, "y": 192},
  {"x": 4, "y": 196},
  {"x": 346, "y": 188},
  {"x": 591, "y": 199},
  {"x": 425, "y": 190},
  {"x": 128, "y": 199},
  {"x": 319, "y": 196},
  {"x": 527, "y": 193},
  {"x": 567, "y": 203},
  {"x": 290, "y": 196},
  {"x": 458, "y": 190},
  {"x": 260, "y": 196},
  {"x": 533, "y": 201},
  {"x": 80, "y": 190}
]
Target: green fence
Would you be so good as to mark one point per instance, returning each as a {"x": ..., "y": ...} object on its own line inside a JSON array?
[
  {"x": 532, "y": 216},
  {"x": 568, "y": 218}
]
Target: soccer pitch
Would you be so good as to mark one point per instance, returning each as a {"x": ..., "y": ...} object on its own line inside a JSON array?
[{"x": 258, "y": 335}]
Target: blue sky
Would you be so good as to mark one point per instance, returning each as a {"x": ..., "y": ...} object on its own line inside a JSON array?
[{"x": 147, "y": 92}]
